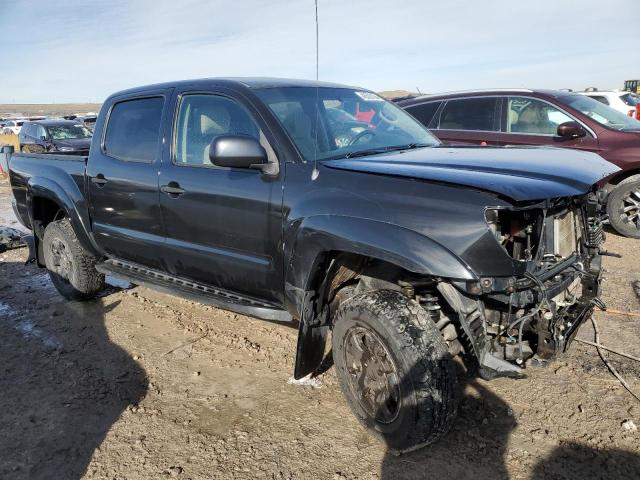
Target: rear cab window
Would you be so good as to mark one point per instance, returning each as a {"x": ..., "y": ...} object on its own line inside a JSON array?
[
  {"x": 479, "y": 114},
  {"x": 133, "y": 129}
]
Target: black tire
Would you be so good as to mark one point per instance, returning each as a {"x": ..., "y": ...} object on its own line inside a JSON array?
[
  {"x": 71, "y": 267},
  {"x": 622, "y": 197},
  {"x": 427, "y": 384}
]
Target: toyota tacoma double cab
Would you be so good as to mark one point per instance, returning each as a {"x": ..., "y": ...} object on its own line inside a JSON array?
[{"x": 255, "y": 196}]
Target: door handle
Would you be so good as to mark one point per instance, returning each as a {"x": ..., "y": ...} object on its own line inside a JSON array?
[
  {"x": 172, "y": 188},
  {"x": 99, "y": 180}
]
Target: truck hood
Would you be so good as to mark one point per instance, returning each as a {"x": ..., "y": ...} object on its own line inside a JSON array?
[{"x": 520, "y": 173}]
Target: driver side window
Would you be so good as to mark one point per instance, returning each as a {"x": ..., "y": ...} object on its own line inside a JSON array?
[
  {"x": 201, "y": 118},
  {"x": 532, "y": 116}
]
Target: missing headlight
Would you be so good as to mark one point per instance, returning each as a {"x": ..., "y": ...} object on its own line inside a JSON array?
[{"x": 517, "y": 231}]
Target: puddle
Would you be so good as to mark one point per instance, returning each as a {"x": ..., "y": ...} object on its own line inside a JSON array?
[
  {"x": 28, "y": 328},
  {"x": 118, "y": 283}
]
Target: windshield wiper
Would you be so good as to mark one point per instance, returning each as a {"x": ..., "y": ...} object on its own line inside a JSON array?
[{"x": 392, "y": 148}]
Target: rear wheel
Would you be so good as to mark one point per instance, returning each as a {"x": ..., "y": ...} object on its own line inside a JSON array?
[
  {"x": 623, "y": 207},
  {"x": 71, "y": 267},
  {"x": 394, "y": 369}
]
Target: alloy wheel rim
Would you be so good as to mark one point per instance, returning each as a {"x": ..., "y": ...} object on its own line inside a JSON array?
[
  {"x": 61, "y": 259},
  {"x": 630, "y": 208},
  {"x": 372, "y": 374}
]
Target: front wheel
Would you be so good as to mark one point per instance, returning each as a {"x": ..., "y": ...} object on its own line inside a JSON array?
[
  {"x": 71, "y": 267},
  {"x": 394, "y": 369},
  {"x": 623, "y": 207}
]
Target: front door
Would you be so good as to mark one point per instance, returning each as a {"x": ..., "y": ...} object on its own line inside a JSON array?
[
  {"x": 122, "y": 176},
  {"x": 223, "y": 225}
]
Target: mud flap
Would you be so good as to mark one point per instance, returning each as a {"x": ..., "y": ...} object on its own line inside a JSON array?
[
  {"x": 310, "y": 349},
  {"x": 30, "y": 240}
]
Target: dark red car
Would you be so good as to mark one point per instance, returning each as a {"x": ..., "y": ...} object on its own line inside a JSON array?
[{"x": 549, "y": 118}]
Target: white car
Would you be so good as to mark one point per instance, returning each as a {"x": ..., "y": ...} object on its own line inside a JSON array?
[
  {"x": 13, "y": 126},
  {"x": 624, "y": 102}
]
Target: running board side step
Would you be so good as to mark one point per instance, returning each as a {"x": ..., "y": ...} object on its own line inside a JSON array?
[{"x": 193, "y": 291}]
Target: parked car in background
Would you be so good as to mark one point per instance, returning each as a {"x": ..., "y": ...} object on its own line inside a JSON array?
[
  {"x": 59, "y": 136},
  {"x": 88, "y": 120},
  {"x": 624, "y": 102},
  {"x": 13, "y": 126},
  {"x": 544, "y": 117}
]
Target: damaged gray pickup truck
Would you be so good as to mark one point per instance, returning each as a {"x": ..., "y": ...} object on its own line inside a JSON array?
[{"x": 328, "y": 206}]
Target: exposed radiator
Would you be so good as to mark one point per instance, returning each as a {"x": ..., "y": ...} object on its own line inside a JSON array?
[{"x": 565, "y": 234}]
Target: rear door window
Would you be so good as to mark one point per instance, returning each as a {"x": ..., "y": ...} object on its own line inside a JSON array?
[
  {"x": 133, "y": 130},
  {"x": 475, "y": 114},
  {"x": 533, "y": 116},
  {"x": 424, "y": 112}
]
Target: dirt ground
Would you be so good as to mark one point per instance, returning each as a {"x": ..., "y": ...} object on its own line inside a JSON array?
[{"x": 141, "y": 385}]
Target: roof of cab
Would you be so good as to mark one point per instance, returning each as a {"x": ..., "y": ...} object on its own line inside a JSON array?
[{"x": 246, "y": 82}]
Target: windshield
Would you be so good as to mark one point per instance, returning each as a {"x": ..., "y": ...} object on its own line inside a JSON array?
[
  {"x": 68, "y": 132},
  {"x": 601, "y": 113},
  {"x": 346, "y": 122}
]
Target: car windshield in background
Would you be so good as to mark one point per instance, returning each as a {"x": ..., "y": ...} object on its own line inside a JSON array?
[
  {"x": 346, "y": 122},
  {"x": 602, "y": 114},
  {"x": 68, "y": 132}
]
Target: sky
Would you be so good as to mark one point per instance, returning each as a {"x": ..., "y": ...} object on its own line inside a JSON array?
[{"x": 56, "y": 51}]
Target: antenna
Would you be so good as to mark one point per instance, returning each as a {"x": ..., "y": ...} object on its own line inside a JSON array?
[
  {"x": 315, "y": 172},
  {"x": 317, "y": 44}
]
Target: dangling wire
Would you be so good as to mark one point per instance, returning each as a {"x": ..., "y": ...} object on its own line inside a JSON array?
[{"x": 316, "y": 172}]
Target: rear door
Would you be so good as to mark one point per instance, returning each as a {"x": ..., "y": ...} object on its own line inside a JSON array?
[
  {"x": 533, "y": 121},
  {"x": 223, "y": 225},
  {"x": 468, "y": 120},
  {"x": 122, "y": 175}
]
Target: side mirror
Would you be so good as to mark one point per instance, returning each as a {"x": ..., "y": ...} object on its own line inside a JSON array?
[
  {"x": 43, "y": 137},
  {"x": 571, "y": 130},
  {"x": 237, "y": 151}
]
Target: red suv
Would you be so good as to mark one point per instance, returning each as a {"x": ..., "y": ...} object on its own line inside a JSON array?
[{"x": 544, "y": 117}]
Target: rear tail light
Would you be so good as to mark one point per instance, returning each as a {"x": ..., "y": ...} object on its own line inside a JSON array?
[{"x": 638, "y": 112}]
